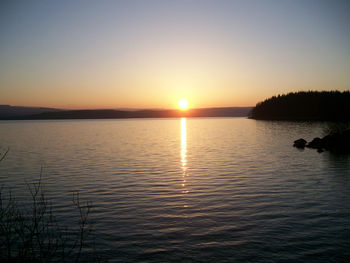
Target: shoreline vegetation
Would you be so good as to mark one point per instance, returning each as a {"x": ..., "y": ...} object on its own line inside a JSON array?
[
  {"x": 305, "y": 106},
  {"x": 32, "y": 233},
  {"x": 123, "y": 114},
  {"x": 331, "y": 107}
]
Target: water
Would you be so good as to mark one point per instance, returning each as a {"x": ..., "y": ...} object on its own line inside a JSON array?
[{"x": 197, "y": 189}]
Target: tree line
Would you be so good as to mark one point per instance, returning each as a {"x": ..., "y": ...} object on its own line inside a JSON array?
[{"x": 305, "y": 105}]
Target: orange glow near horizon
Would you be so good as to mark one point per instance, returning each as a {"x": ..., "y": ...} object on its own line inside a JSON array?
[{"x": 148, "y": 55}]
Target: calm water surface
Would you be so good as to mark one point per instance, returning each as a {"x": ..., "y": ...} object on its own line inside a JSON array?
[{"x": 197, "y": 189}]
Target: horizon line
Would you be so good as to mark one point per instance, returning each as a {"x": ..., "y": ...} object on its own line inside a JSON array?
[{"x": 120, "y": 109}]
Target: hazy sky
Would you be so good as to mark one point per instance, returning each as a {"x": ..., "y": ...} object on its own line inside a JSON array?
[{"x": 149, "y": 54}]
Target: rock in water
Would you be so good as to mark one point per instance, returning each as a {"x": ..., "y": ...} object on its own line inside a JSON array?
[
  {"x": 316, "y": 143},
  {"x": 300, "y": 143},
  {"x": 337, "y": 143}
]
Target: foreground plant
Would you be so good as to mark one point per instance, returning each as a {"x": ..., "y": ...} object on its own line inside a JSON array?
[{"x": 32, "y": 233}]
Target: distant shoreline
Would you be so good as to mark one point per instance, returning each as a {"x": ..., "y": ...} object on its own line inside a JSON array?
[{"x": 125, "y": 114}]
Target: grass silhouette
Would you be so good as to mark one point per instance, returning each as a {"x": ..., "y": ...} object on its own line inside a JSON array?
[{"x": 32, "y": 233}]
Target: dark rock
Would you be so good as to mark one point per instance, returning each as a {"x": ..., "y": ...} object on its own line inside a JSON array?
[
  {"x": 330, "y": 141},
  {"x": 336, "y": 142},
  {"x": 300, "y": 143},
  {"x": 316, "y": 143}
]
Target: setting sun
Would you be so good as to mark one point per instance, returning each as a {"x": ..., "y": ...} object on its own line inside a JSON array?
[{"x": 183, "y": 104}]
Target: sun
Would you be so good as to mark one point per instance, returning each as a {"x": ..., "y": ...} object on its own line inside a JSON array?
[{"x": 183, "y": 104}]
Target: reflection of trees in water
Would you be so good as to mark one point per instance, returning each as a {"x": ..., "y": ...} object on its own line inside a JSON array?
[{"x": 336, "y": 127}]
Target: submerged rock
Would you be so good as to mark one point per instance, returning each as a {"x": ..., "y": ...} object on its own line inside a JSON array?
[{"x": 300, "y": 143}]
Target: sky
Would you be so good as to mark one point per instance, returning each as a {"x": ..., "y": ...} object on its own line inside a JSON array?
[{"x": 150, "y": 54}]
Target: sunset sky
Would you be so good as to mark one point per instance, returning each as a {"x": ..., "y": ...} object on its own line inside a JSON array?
[{"x": 150, "y": 54}]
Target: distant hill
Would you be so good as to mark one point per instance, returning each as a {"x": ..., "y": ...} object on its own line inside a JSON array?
[
  {"x": 7, "y": 111},
  {"x": 311, "y": 105},
  {"x": 118, "y": 114}
]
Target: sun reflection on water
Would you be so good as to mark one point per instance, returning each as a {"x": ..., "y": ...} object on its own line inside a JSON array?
[
  {"x": 184, "y": 154},
  {"x": 183, "y": 144}
]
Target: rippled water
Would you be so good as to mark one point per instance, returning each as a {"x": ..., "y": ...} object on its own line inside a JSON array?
[{"x": 197, "y": 189}]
